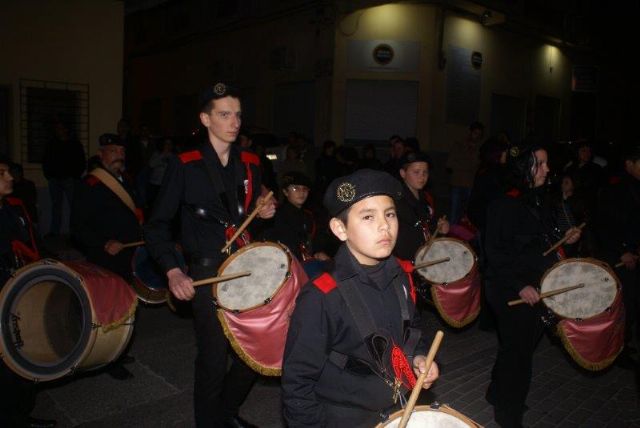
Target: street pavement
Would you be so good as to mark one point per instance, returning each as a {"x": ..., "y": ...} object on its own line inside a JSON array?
[{"x": 160, "y": 393}]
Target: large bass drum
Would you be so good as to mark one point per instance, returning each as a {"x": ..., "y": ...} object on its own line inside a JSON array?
[
  {"x": 591, "y": 324},
  {"x": 57, "y": 318},
  {"x": 455, "y": 284},
  {"x": 255, "y": 310}
]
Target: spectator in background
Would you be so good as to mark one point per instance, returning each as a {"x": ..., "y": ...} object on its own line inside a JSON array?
[
  {"x": 292, "y": 162},
  {"x": 347, "y": 160},
  {"x": 463, "y": 163},
  {"x": 63, "y": 164},
  {"x": 25, "y": 190},
  {"x": 396, "y": 151},
  {"x": 157, "y": 167},
  {"x": 588, "y": 176},
  {"x": 326, "y": 166},
  {"x": 369, "y": 159}
]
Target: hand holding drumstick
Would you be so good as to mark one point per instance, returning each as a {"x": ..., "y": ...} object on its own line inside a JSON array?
[{"x": 571, "y": 236}]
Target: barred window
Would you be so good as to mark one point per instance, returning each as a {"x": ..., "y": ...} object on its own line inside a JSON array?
[{"x": 42, "y": 105}]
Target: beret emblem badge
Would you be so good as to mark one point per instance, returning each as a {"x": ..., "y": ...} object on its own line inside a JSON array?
[
  {"x": 219, "y": 89},
  {"x": 346, "y": 192}
]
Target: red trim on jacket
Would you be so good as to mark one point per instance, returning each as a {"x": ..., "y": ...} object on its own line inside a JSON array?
[
  {"x": 190, "y": 156},
  {"x": 325, "y": 283},
  {"x": 407, "y": 266}
]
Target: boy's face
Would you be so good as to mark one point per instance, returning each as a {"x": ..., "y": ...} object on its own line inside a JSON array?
[
  {"x": 371, "y": 229},
  {"x": 296, "y": 194},
  {"x": 415, "y": 175}
]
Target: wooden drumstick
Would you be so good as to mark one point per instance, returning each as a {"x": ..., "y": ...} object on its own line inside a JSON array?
[
  {"x": 418, "y": 386},
  {"x": 248, "y": 220},
  {"x": 547, "y": 294},
  {"x": 562, "y": 241},
  {"x": 431, "y": 263},
  {"x": 133, "y": 244},
  {"x": 217, "y": 279}
]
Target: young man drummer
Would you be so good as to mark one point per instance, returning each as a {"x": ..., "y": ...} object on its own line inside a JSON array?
[
  {"x": 213, "y": 188},
  {"x": 416, "y": 215},
  {"x": 344, "y": 362}
]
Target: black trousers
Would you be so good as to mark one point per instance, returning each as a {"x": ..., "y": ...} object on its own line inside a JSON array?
[
  {"x": 218, "y": 392},
  {"x": 520, "y": 329},
  {"x": 17, "y": 398}
]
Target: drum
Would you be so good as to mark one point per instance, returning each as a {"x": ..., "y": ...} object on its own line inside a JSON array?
[
  {"x": 255, "y": 310},
  {"x": 57, "y": 318},
  {"x": 591, "y": 324},
  {"x": 434, "y": 416},
  {"x": 150, "y": 283},
  {"x": 455, "y": 286}
]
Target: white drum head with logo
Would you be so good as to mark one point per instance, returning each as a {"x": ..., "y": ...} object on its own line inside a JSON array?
[
  {"x": 462, "y": 260},
  {"x": 599, "y": 291},
  {"x": 268, "y": 263},
  {"x": 423, "y": 417}
]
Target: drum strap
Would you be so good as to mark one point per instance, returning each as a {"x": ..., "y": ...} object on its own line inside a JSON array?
[{"x": 115, "y": 186}]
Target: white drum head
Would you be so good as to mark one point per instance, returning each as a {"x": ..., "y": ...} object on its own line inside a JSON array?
[
  {"x": 462, "y": 260},
  {"x": 599, "y": 291},
  {"x": 430, "y": 418},
  {"x": 268, "y": 263}
]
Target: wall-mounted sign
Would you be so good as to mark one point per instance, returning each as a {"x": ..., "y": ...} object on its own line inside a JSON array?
[
  {"x": 584, "y": 78},
  {"x": 476, "y": 60},
  {"x": 383, "y": 54}
]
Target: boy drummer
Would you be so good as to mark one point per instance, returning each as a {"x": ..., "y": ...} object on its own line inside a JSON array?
[{"x": 346, "y": 361}]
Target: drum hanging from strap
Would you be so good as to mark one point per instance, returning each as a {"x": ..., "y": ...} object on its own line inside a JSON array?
[
  {"x": 150, "y": 283},
  {"x": 57, "y": 318},
  {"x": 455, "y": 283},
  {"x": 436, "y": 416},
  {"x": 255, "y": 310},
  {"x": 591, "y": 324}
]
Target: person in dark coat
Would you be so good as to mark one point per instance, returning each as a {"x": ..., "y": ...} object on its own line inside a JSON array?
[
  {"x": 343, "y": 361},
  {"x": 17, "y": 395},
  {"x": 519, "y": 230},
  {"x": 416, "y": 213},
  {"x": 213, "y": 188},
  {"x": 619, "y": 236}
]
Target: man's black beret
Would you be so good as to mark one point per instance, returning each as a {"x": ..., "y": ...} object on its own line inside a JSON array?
[
  {"x": 412, "y": 157},
  {"x": 346, "y": 191},
  {"x": 295, "y": 177},
  {"x": 216, "y": 91}
]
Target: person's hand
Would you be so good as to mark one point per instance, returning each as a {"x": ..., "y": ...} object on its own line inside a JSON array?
[
  {"x": 530, "y": 295},
  {"x": 630, "y": 260},
  {"x": 113, "y": 247},
  {"x": 322, "y": 256},
  {"x": 420, "y": 365},
  {"x": 573, "y": 235},
  {"x": 268, "y": 210},
  {"x": 180, "y": 284},
  {"x": 443, "y": 225}
]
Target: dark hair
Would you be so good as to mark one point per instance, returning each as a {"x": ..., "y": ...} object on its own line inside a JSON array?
[
  {"x": 476, "y": 125},
  {"x": 521, "y": 161},
  {"x": 343, "y": 215},
  {"x": 216, "y": 92},
  {"x": 4, "y": 159},
  {"x": 631, "y": 153}
]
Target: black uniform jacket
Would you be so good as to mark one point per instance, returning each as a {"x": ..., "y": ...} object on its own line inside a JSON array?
[
  {"x": 99, "y": 215},
  {"x": 14, "y": 226},
  {"x": 619, "y": 218},
  {"x": 292, "y": 227},
  {"x": 203, "y": 202},
  {"x": 321, "y": 323},
  {"x": 412, "y": 213},
  {"x": 519, "y": 230}
]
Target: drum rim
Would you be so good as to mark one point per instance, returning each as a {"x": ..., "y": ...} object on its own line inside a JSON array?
[
  {"x": 88, "y": 334},
  {"x": 592, "y": 260},
  {"x": 441, "y": 408},
  {"x": 150, "y": 295},
  {"x": 447, "y": 238},
  {"x": 245, "y": 249}
]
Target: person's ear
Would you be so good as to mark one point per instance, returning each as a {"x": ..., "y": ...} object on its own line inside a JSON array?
[
  {"x": 205, "y": 119},
  {"x": 403, "y": 173},
  {"x": 338, "y": 228}
]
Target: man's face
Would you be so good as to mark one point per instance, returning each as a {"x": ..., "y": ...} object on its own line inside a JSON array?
[
  {"x": 540, "y": 170},
  {"x": 112, "y": 157},
  {"x": 371, "y": 229},
  {"x": 633, "y": 168},
  {"x": 584, "y": 154},
  {"x": 416, "y": 175},
  {"x": 223, "y": 121},
  {"x": 6, "y": 181},
  {"x": 296, "y": 194}
]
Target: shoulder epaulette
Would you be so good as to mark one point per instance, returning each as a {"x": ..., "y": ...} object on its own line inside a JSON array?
[
  {"x": 615, "y": 179},
  {"x": 513, "y": 193},
  {"x": 91, "y": 180},
  {"x": 190, "y": 156},
  {"x": 16, "y": 202},
  {"x": 248, "y": 157},
  {"x": 325, "y": 283}
]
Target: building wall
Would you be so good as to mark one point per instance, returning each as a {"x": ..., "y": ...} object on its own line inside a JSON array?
[
  {"x": 512, "y": 65},
  {"x": 66, "y": 41}
]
